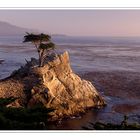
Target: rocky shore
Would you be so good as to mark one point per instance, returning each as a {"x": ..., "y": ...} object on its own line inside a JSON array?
[
  {"x": 123, "y": 85},
  {"x": 55, "y": 86}
]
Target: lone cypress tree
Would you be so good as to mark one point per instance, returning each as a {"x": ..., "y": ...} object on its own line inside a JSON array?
[{"x": 42, "y": 43}]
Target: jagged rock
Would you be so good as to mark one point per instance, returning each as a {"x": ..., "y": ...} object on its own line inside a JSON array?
[{"x": 55, "y": 85}]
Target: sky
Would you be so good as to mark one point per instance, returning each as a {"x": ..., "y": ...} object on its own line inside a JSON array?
[{"x": 77, "y": 22}]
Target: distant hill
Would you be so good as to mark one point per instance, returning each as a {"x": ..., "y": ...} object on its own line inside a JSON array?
[{"x": 9, "y": 29}]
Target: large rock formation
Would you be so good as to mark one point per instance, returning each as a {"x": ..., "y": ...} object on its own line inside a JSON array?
[{"x": 55, "y": 85}]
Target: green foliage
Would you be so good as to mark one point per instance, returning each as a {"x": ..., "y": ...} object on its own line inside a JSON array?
[
  {"x": 6, "y": 101},
  {"x": 30, "y": 37},
  {"x": 42, "y": 43},
  {"x": 47, "y": 46},
  {"x": 44, "y": 37},
  {"x": 35, "y": 118}
]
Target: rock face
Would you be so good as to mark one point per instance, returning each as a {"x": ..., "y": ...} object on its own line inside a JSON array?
[{"x": 55, "y": 85}]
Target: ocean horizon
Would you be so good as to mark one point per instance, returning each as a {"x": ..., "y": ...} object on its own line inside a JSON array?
[{"x": 12, "y": 40}]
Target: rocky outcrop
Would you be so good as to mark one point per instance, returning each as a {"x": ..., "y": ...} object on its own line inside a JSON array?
[
  {"x": 1, "y": 61},
  {"x": 55, "y": 85}
]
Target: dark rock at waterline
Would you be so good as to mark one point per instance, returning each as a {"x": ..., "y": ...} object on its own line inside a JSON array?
[
  {"x": 55, "y": 86},
  {"x": 1, "y": 61}
]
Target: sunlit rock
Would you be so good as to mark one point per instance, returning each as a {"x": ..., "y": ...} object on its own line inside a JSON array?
[{"x": 55, "y": 86}]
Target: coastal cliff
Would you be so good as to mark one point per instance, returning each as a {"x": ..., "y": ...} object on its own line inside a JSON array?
[{"x": 55, "y": 86}]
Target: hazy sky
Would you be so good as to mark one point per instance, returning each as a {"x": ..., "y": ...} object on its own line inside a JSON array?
[{"x": 77, "y": 22}]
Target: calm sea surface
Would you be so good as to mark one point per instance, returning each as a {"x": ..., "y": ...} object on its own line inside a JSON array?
[{"x": 86, "y": 53}]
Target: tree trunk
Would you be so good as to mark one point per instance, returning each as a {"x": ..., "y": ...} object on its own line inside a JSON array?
[{"x": 41, "y": 58}]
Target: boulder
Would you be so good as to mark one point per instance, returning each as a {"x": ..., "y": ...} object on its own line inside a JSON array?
[{"x": 55, "y": 86}]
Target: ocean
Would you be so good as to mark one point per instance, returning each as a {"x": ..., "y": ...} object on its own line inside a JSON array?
[
  {"x": 86, "y": 53},
  {"x": 111, "y": 63},
  {"x": 77, "y": 40}
]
